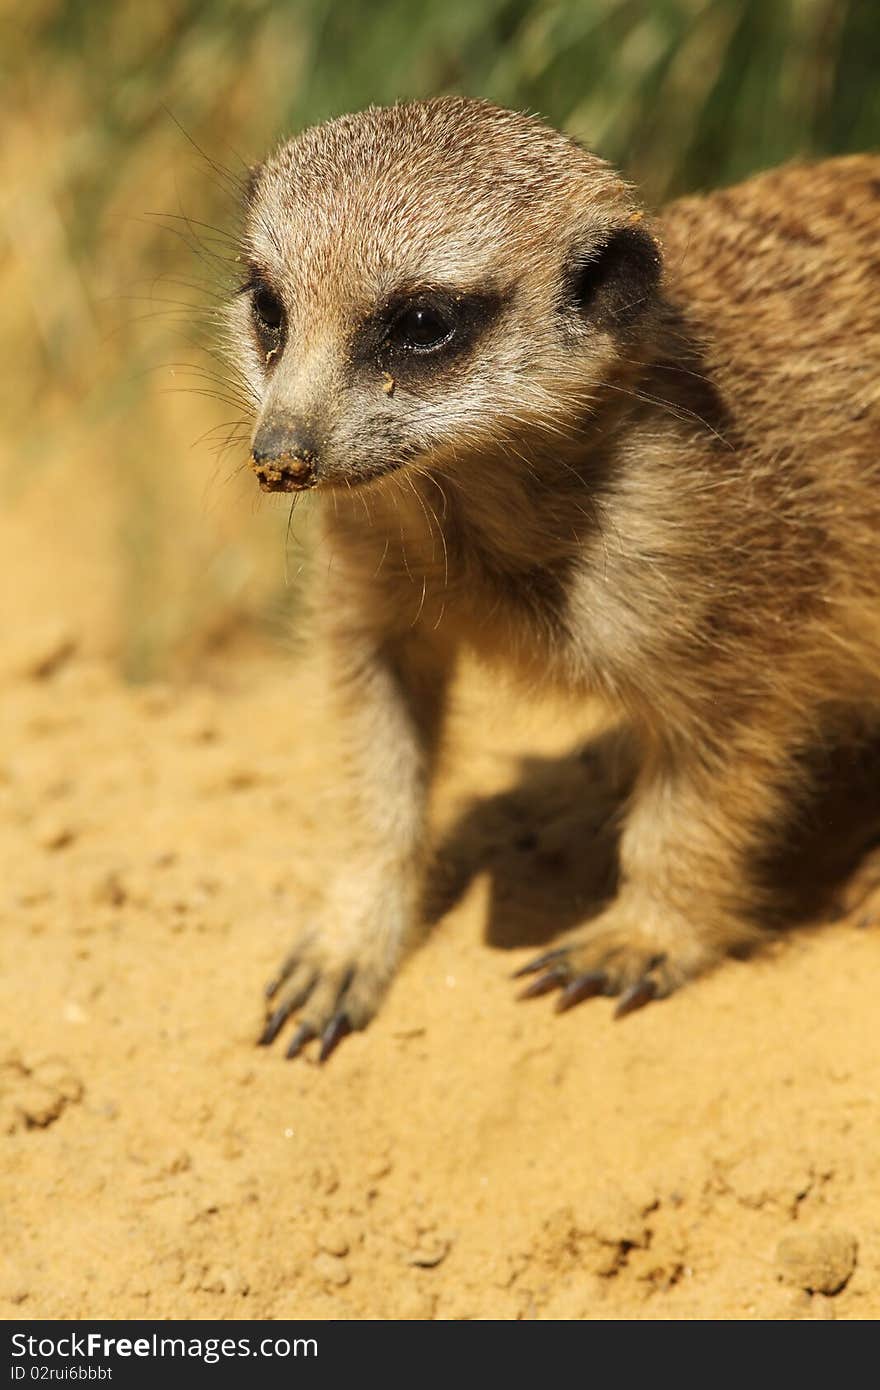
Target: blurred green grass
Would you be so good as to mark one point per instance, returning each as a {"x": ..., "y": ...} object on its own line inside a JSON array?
[{"x": 107, "y": 278}]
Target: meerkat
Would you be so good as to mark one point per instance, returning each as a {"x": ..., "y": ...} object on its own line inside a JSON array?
[{"x": 628, "y": 458}]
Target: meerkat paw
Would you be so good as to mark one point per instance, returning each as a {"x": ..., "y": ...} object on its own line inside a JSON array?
[
  {"x": 333, "y": 988},
  {"x": 608, "y": 958}
]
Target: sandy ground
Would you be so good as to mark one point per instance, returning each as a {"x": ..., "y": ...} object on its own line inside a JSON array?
[{"x": 468, "y": 1156}]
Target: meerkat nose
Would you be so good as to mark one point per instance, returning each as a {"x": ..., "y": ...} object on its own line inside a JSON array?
[
  {"x": 283, "y": 455},
  {"x": 284, "y": 474}
]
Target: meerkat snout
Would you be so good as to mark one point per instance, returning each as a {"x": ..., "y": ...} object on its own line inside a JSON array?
[{"x": 284, "y": 454}]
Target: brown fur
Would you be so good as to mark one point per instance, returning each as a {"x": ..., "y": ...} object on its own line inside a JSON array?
[{"x": 665, "y": 492}]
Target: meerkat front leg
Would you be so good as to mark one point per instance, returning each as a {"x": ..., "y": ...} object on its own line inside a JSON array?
[
  {"x": 387, "y": 696},
  {"x": 688, "y": 889}
]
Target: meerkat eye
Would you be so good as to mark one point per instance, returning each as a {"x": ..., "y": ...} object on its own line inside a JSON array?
[
  {"x": 421, "y": 328},
  {"x": 268, "y": 309}
]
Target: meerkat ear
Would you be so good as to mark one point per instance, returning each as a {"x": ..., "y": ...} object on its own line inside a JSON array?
[{"x": 613, "y": 283}]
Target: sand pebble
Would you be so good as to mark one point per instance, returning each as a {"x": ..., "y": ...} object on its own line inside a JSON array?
[
  {"x": 334, "y": 1240},
  {"x": 818, "y": 1261},
  {"x": 178, "y": 1161},
  {"x": 110, "y": 890},
  {"x": 429, "y": 1253},
  {"x": 379, "y": 1167},
  {"x": 221, "y": 1279},
  {"x": 40, "y": 650},
  {"x": 54, "y": 834}
]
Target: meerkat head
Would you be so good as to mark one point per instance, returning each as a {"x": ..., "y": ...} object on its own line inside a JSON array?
[{"x": 427, "y": 280}]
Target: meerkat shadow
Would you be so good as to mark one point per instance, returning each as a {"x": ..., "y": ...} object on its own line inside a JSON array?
[
  {"x": 825, "y": 862},
  {"x": 549, "y": 843}
]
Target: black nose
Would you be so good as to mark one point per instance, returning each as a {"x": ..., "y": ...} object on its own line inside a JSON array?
[{"x": 284, "y": 455}]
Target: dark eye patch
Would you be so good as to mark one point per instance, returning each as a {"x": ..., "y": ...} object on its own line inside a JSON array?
[
  {"x": 267, "y": 312},
  {"x": 421, "y": 330}
]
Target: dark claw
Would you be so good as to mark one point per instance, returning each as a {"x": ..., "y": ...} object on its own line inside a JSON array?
[
  {"x": 284, "y": 973},
  {"x": 533, "y": 966},
  {"x": 304, "y": 1033},
  {"x": 642, "y": 992},
  {"x": 337, "y": 1029},
  {"x": 544, "y": 983},
  {"x": 282, "y": 1013},
  {"x": 583, "y": 987},
  {"x": 275, "y": 1023}
]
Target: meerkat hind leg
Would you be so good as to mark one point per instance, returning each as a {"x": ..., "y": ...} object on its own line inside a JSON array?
[{"x": 687, "y": 894}]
